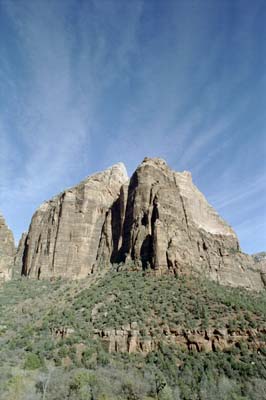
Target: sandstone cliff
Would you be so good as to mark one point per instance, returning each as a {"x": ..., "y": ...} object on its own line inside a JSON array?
[
  {"x": 157, "y": 220},
  {"x": 128, "y": 339},
  {"x": 18, "y": 260},
  {"x": 71, "y": 234},
  {"x": 170, "y": 226},
  {"x": 7, "y": 251}
]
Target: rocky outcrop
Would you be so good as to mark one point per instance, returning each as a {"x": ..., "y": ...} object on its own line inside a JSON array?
[
  {"x": 74, "y": 233},
  {"x": 260, "y": 257},
  {"x": 158, "y": 220},
  {"x": 7, "y": 251},
  {"x": 128, "y": 339}
]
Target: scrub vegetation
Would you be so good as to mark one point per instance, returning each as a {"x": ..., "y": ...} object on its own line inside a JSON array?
[{"x": 48, "y": 349}]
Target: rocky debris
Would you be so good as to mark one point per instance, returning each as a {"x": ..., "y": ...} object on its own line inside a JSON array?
[
  {"x": 72, "y": 234},
  {"x": 7, "y": 251},
  {"x": 260, "y": 257},
  {"x": 128, "y": 339},
  {"x": 158, "y": 220}
]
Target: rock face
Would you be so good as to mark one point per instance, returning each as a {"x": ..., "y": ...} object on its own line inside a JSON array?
[
  {"x": 7, "y": 251},
  {"x": 73, "y": 233},
  {"x": 128, "y": 339},
  {"x": 157, "y": 220},
  {"x": 18, "y": 261},
  {"x": 170, "y": 226}
]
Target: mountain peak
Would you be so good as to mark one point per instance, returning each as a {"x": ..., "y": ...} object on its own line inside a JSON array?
[{"x": 160, "y": 220}]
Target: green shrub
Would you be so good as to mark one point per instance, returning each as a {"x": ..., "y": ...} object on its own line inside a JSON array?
[{"x": 33, "y": 361}]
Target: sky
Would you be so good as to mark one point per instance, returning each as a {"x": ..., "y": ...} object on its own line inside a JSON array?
[{"x": 86, "y": 84}]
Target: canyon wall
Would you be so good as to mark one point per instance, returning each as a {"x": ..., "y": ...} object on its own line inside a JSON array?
[
  {"x": 157, "y": 220},
  {"x": 7, "y": 251}
]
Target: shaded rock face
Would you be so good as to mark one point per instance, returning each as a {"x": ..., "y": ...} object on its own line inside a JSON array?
[
  {"x": 7, "y": 251},
  {"x": 18, "y": 260},
  {"x": 169, "y": 223},
  {"x": 157, "y": 220},
  {"x": 170, "y": 226},
  {"x": 72, "y": 234}
]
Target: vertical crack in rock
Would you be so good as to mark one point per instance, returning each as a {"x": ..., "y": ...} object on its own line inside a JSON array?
[
  {"x": 57, "y": 232},
  {"x": 155, "y": 213},
  {"x": 48, "y": 243},
  {"x": 24, "y": 271},
  {"x": 128, "y": 226},
  {"x": 18, "y": 260},
  {"x": 185, "y": 215}
]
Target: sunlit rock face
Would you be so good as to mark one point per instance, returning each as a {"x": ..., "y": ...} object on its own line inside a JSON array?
[
  {"x": 71, "y": 234},
  {"x": 7, "y": 251},
  {"x": 157, "y": 220}
]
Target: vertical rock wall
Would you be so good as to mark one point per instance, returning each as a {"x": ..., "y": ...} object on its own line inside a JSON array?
[
  {"x": 170, "y": 226},
  {"x": 18, "y": 260},
  {"x": 158, "y": 220},
  {"x": 7, "y": 251},
  {"x": 72, "y": 233}
]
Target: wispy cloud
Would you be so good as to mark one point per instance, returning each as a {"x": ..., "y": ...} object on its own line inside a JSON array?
[
  {"x": 84, "y": 84},
  {"x": 255, "y": 187},
  {"x": 69, "y": 66},
  {"x": 51, "y": 126}
]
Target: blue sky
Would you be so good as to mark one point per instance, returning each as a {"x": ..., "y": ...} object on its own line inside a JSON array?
[{"x": 85, "y": 84}]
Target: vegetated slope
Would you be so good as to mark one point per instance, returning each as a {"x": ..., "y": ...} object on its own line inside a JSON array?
[{"x": 131, "y": 335}]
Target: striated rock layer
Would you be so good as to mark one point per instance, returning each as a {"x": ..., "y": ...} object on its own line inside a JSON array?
[
  {"x": 7, "y": 251},
  {"x": 71, "y": 234},
  {"x": 157, "y": 220},
  {"x": 128, "y": 339}
]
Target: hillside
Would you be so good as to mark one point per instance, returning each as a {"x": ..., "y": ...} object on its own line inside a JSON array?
[
  {"x": 131, "y": 289},
  {"x": 126, "y": 334}
]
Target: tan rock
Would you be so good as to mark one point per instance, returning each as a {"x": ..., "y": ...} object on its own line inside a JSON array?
[
  {"x": 197, "y": 341},
  {"x": 170, "y": 226},
  {"x": 7, "y": 251},
  {"x": 158, "y": 219},
  {"x": 72, "y": 234},
  {"x": 147, "y": 345},
  {"x": 133, "y": 341}
]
